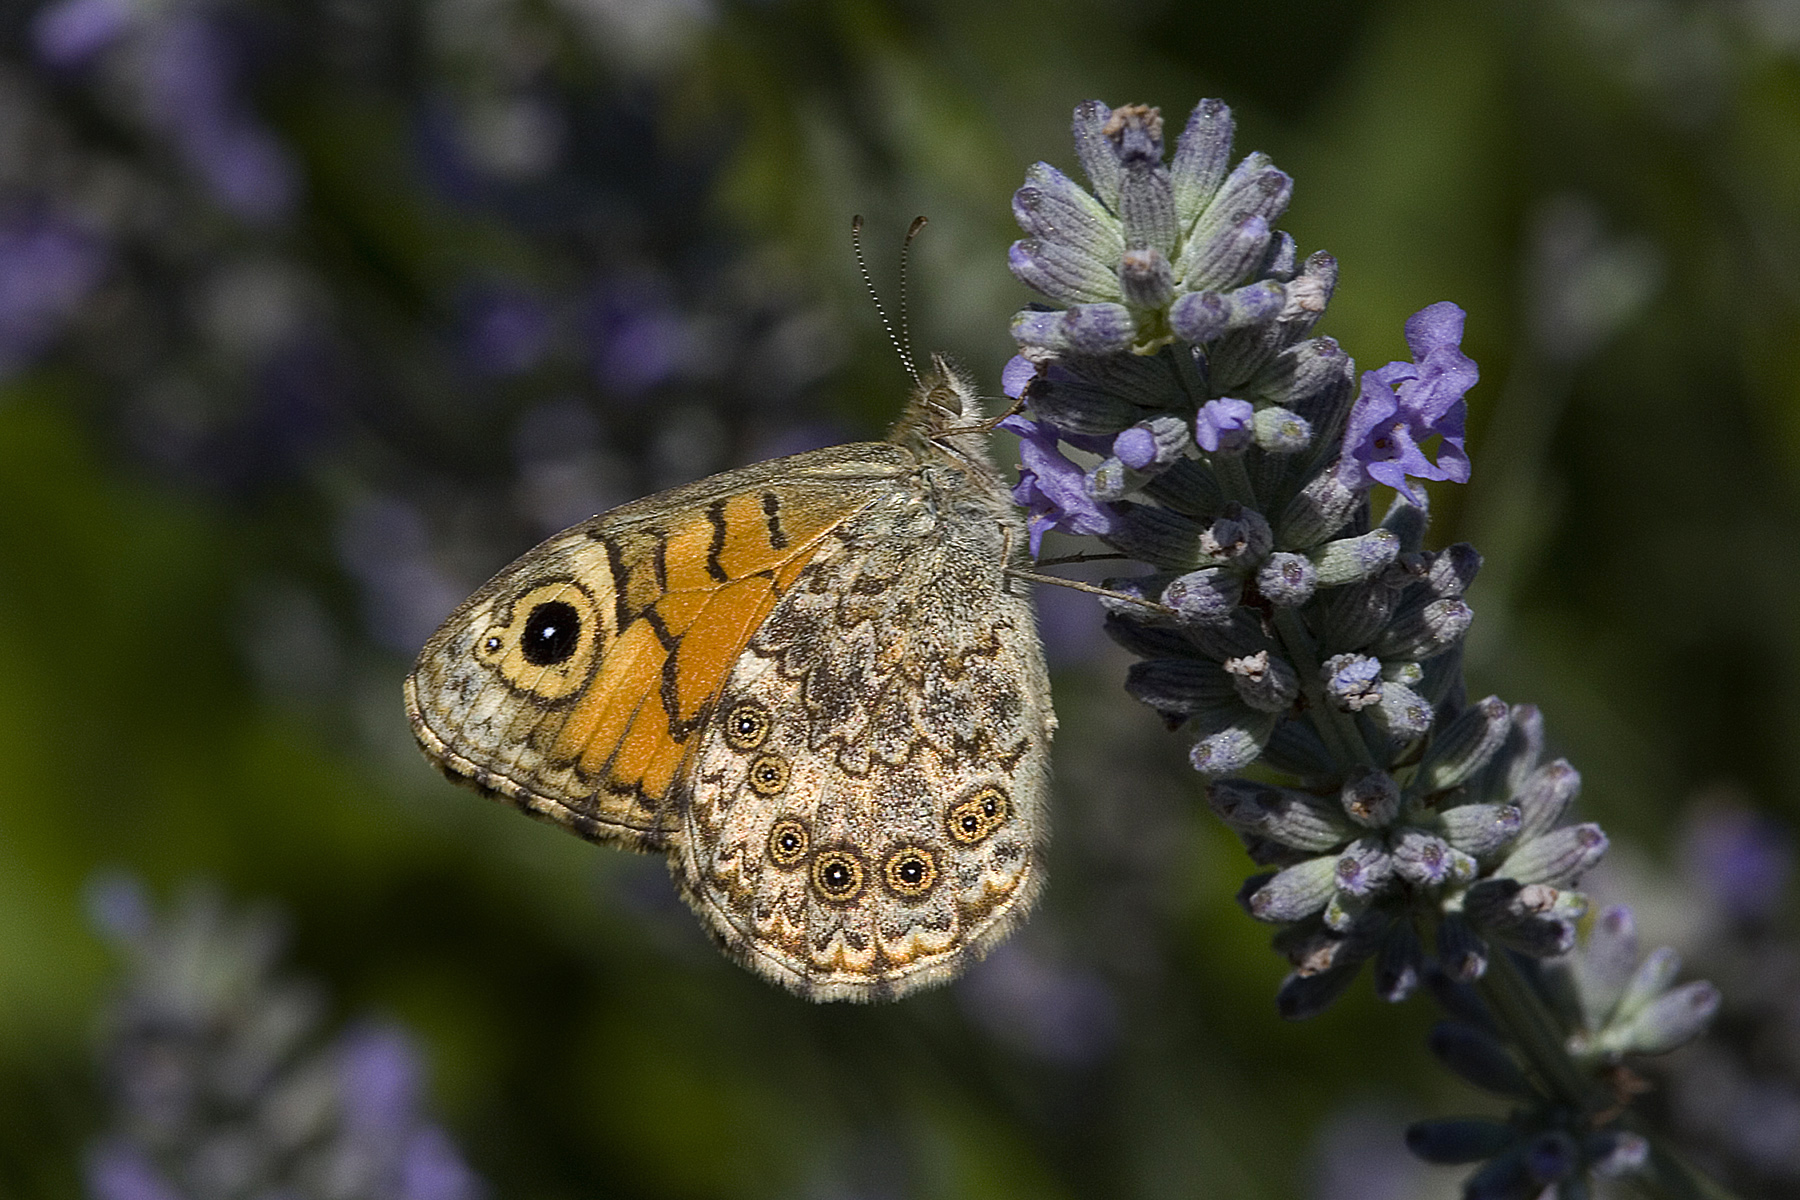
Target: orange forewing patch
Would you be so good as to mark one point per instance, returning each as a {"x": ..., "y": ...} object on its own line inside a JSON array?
[{"x": 689, "y": 632}]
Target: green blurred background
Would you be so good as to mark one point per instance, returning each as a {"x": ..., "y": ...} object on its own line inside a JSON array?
[{"x": 529, "y": 258}]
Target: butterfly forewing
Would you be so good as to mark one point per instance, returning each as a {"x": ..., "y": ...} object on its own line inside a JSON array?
[{"x": 573, "y": 683}]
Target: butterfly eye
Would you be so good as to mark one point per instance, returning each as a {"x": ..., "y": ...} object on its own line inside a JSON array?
[
  {"x": 768, "y": 774},
  {"x": 746, "y": 726},
  {"x": 837, "y": 875},
  {"x": 972, "y": 820},
  {"x": 788, "y": 842},
  {"x": 552, "y": 632},
  {"x": 911, "y": 872}
]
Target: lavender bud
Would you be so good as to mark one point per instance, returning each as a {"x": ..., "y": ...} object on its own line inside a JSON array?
[
  {"x": 1202, "y": 154},
  {"x": 1253, "y": 304},
  {"x": 1199, "y": 317},
  {"x": 1463, "y": 747},
  {"x": 1423, "y": 860},
  {"x": 1613, "y": 1153},
  {"x": 1096, "y": 152},
  {"x": 1157, "y": 535},
  {"x": 1292, "y": 818},
  {"x": 1673, "y": 1019},
  {"x": 1281, "y": 431},
  {"x": 1352, "y": 681},
  {"x": 1230, "y": 749},
  {"x": 1539, "y": 937},
  {"x": 1296, "y": 748},
  {"x": 1355, "y": 614},
  {"x": 1312, "y": 378},
  {"x": 1401, "y": 711},
  {"x": 1371, "y": 798},
  {"x": 1287, "y": 580},
  {"x": 1146, "y": 198},
  {"x": 1503, "y": 1178},
  {"x": 1460, "y": 950},
  {"x": 1458, "y": 1140},
  {"x": 1345, "y": 912},
  {"x": 1365, "y": 867},
  {"x": 1408, "y": 520},
  {"x": 1278, "y": 259},
  {"x": 1480, "y": 829},
  {"x": 1299, "y": 891},
  {"x": 1180, "y": 687},
  {"x": 1035, "y": 327},
  {"x": 1355, "y": 559},
  {"x": 1420, "y": 633},
  {"x": 1240, "y": 535},
  {"x": 1551, "y": 1156},
  {"x": 1145, "y": 278},
  {"x": 1479, "y": 1058},
  {"x": 1157, "y": 442},
  {"x": 1319, "y": 510},
  {"x": 1651, "y": 979},
  {"x": 1453, "y": 570},
  {"x": 1226, "y": 256},
  {"x": 1206, "y": 596},
  {"x": 1398, "y": 963},
  {"x": 1309, "y": 293},
  {"x": 1546, "y": 796},
  {"x": 1254, "y": 188},
  {"x": 1054, "y": 208},
  {"x": 1110, "y": 479},
  {"x": 1307, "y": 994},
  {"x": 1558, "y": 858},
  {"x": 1605, "y": 964},
  {"x": 1097, "y": 329},
  {"x": 1065, "y": 273},
  {"x": 1265, "y": 683},
  {"x": 1441, "y": 682}
]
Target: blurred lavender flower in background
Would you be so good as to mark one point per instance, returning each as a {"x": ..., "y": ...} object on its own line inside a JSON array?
[
  {"x": 222, "y": 1086},
  {"x": 48, "y": 267}
]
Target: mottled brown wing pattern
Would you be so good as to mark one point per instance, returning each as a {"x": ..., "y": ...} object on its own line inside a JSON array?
[
  {"x": 866, "y": 812},
  {"x": 574, "y": 682}
]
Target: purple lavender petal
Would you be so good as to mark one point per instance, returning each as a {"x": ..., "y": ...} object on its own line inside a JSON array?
[
  {"x": 72, "y": 33},
  {"x": 115, "y": 1171},
  {"x": 505, "y": 330},
  {"x": 1741, "y": 859},
  {"x": 1403, "y": 405},
  {"x": 1017, "y": 372},
  {"x": 432, "y": 1169},
  {"x": 379, "y": 1072},
  {"x": 47, "y": 268},
  {"x": 1223, "y": 424}
]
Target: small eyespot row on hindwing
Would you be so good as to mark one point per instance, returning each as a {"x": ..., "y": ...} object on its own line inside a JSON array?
[
  {"x": 910, "y": 872},
  {"x": 746, "y": 725},
  {"x": 789, "y": 842},
  {"x": 768, "y": 775},
  {"x": 972, "y": 820},
  {"x": 837, "y": 875}
]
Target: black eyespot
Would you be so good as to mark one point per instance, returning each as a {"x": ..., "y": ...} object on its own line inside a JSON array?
[
  {"x": 910, "y": 872},
  {"x": 972, "y": 820},
  {"x": 492, "y": 644},
  {"x": 768, "y": 774},
  {"x": 837, "y": 875},
  {"x": 746, "y": 726},
  {"x": 788, "y": 842},
  {"x": 552, "y": 632}
]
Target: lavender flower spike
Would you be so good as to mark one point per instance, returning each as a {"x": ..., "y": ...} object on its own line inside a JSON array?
[{"x": 1403, "y": 405}]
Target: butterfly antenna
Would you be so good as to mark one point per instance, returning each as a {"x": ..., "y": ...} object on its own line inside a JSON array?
[
  {"x": 900, "y": 347},
  {"x": 912, "y": 231}
]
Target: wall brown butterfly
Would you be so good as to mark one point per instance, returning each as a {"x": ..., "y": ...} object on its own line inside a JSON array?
[{"x": 811, "y": 683}]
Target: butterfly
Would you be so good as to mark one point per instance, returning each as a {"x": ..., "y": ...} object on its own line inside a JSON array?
[{"x": 814, "y": 683}]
